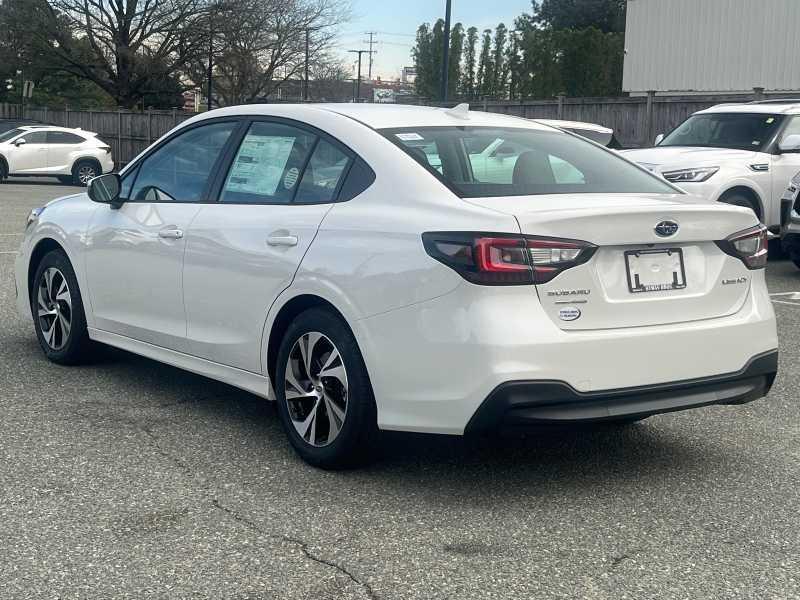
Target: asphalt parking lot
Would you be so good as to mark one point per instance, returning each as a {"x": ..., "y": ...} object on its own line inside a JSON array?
[{"x": 131, "y": 479}]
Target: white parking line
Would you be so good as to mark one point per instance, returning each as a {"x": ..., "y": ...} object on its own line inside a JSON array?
[
  {"x": 4, "y": 234},
  {"x": 786, "y": 297},
  {"x": 8, "y": 251}
]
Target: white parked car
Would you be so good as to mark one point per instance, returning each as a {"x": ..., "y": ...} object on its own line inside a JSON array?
[
  {"x": 313, "y": 255},
  {"x": 74, "y": 156},
  {"x": 741, "y": 154}
]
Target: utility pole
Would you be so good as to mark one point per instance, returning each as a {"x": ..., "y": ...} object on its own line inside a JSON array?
[
  {"x": 358, "y": 80},
  {"x": 446, "y": 53},
  {"x": 370, "y": 42}
]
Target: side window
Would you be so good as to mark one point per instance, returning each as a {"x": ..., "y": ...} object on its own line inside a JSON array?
[
  {"x": 323, "y": 174},
  {"x": 63, "y": 137},
  {"x": 127, "y": 183},
  {"x": 268, "y": 164},
  {"x": 179, "y": 171},
  {"x": 793, "y": 128},
  {"x": 35, "y": 137}
]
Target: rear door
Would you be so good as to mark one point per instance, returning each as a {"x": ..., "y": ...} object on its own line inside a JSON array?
[
  {"x": 62, "y": 147},
  {"x": 244, "y": 250}
]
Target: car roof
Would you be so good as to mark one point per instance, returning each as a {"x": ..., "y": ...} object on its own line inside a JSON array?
[
  {"x": 81, "y": 132},
  {"x": 386, "y": 116},
  {"x": 771, "y": 107}
]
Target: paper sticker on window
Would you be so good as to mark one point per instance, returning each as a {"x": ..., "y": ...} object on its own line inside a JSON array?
[
  {"x": 260, "y": 164},
  {"x": 770, "y": 120},
  {"x": 410, "y": 137}
]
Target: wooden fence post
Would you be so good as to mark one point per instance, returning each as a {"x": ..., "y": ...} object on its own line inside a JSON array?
[
  {"x": 66, "y": 115},
  {"x": 149, "y": 127},
  {"x": 560, "y": 106},
  {"x": 45, "y": 114},
  {"x": 648, "y": 120},
  {"x": 758, "y": 93},
  {"x": 119, "y": 136}
]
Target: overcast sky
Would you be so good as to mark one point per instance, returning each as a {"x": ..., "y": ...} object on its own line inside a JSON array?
[{"x": 396, "y": 22}]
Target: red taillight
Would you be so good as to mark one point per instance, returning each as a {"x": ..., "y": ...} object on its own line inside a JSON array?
[
  {"x": 749, "y": 246},
  {"x": 489, "y": 259}
]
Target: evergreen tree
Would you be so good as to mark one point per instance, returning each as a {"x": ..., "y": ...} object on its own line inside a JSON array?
[
  {"x": 483, "y": 83},
  {"x": 454, "y": 60},
  {"x": 470, "y": 50},
  {"x": 423, "y": 62},
  {"x": 499, "y": 73}
]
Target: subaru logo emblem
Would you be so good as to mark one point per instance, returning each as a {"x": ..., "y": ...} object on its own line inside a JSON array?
[{"x": 666, "y": 228}]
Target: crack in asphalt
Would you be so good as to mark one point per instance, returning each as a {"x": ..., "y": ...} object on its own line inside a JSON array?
[
  {"x": 251, "y": 524},
  {"x": 300, "y": 544}
]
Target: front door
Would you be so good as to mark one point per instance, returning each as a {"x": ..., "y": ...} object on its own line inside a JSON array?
[
  {"x": 243, "y": 251},
  {"x": 30, "y": 156},
  {"x": 134, "y": 256}
]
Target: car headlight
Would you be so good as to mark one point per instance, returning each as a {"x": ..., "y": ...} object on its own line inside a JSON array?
[
  {"x": 690, "y": 175},
  {"x": 33, "y": 216}
]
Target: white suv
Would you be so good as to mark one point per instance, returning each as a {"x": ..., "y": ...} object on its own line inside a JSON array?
[
  {"x": 73, "y": 155},
  {"x": 741, "y": 154}
]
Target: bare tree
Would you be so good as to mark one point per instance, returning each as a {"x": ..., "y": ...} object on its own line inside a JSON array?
[
  {"x": 262, "y": 43},
  {"x": 120, "y": 44}
]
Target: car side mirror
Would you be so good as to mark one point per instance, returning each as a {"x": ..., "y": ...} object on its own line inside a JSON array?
[
  {"x": 105, "y": 189},
  {"x": 20, "y": 142},
  {"x": 659, "y": 139},
  {"x": 791, "y": 143}
]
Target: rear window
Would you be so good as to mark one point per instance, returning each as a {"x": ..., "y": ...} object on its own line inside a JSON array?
[{"x": 480, "y": 162}]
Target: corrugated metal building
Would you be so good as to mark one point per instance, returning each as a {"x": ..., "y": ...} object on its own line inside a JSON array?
[{"x": 712, "y": 46}]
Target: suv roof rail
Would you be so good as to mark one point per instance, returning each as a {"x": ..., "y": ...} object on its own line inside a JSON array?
[{"x": 777, "y": 101}]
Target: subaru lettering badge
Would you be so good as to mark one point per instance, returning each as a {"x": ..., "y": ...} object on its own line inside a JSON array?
[{"x": 666, "y": 228}]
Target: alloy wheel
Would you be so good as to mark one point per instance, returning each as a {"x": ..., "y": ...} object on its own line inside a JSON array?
[
  {"x": 316, "y": 389},
  {"x": 86, "y": 173},
  {"x": 54, "y": 308}
]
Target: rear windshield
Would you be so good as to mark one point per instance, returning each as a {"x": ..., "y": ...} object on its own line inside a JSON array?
[
  {"x": 735, "y": 131},
  {"x": 480, "y": 162}
]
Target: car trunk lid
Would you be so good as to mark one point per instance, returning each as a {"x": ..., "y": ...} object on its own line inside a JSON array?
[{"x": 636, "y": 277}]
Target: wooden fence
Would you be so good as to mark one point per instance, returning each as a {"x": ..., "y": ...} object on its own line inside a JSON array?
[
  {"x": 635, "y": 120},
  {"x": 128, "y": 133}
]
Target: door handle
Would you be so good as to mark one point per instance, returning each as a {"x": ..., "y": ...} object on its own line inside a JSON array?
[
  {"x": 171, "y": 234},
  {"x": 282, "y": 240}
]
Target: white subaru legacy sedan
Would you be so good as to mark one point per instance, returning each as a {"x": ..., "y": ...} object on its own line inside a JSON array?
[{"x": 352, "y": 263}]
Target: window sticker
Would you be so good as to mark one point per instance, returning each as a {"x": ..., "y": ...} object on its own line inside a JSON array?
[
  {"x": 291, "y": 178},
  {"x": 260, "y": 165},
  {"x": 410, "y": 137},
  {"x": 770, "y": 120}
]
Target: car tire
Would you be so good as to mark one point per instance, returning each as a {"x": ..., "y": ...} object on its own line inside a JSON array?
[
  {"x": 57, "y": 311},
  {"x": 84, "y": 171},
  {"x": 331, "y": 421},
  {"x": 3, "y": 171}
]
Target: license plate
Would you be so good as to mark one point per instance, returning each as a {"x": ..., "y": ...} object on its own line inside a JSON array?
[{"x": 655, "y": 270}]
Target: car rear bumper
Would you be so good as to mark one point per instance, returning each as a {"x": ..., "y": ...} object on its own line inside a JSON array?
[
  {"x": 433, "y": 364},
  {"x": 521, "y": 403}
]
